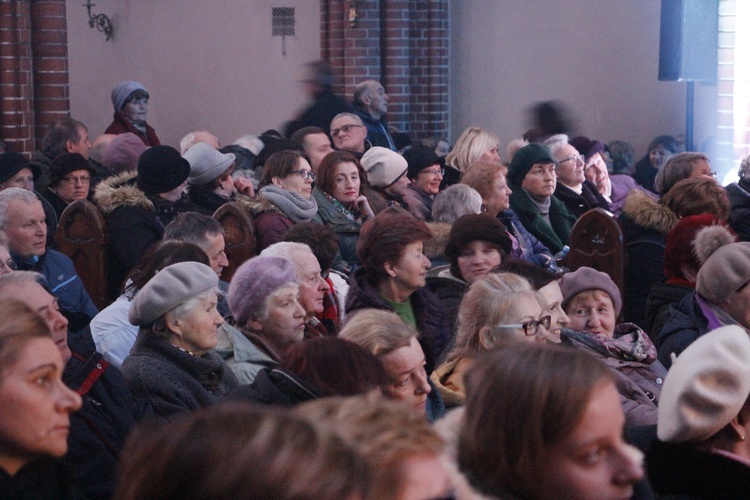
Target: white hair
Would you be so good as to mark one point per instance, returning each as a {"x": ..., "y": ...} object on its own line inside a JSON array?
[{"x": 288, "y": 250}]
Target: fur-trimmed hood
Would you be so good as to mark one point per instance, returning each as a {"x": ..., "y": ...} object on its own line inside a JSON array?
[
  {"x": 121, "y": 191},
  {"x": 434, "y": 248},
  {"x": 259, "y": 205},
  {"x": 644, "y": 211}
]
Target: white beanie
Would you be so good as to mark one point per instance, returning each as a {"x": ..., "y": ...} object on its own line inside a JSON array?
[{"x": 383, "y": 166}]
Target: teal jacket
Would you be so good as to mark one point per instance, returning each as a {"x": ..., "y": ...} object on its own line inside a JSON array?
[{"x": 554, "y": 237}]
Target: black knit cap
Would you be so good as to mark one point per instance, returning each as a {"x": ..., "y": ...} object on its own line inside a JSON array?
[
  {"x": 419, "y": 158},
  {"x": 476, "y": 227},
  {"x": 161, "y": 169},
  {"x": 525, "y": 158},
  {"x": 66, "y": 163},
  {"x": 12, "y": 163}
]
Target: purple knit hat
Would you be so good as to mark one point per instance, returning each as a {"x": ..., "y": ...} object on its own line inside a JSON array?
[
  {"x": 255, "y": 280},
  {"x": 586, "y": 278}
]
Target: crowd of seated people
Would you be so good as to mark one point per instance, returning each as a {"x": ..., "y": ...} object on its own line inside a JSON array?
[{"x": 407, "y": 325}]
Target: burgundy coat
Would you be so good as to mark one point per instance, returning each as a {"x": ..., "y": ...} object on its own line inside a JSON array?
[{"x": 122, "y": 126}]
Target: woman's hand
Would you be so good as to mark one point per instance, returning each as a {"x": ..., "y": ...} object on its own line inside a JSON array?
[
  {"x": 243, "y": 185},
  {"x": 364, "y": 206}
]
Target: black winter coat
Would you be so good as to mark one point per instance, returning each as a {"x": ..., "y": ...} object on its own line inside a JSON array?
[
  {"x": 661, "y": 297},
  {"x": 679, "y": 471},
  {"x": 739, "y": 212},
  {"x": 683, "y": 324},
  {"x": 42, "y": 479},
  {"x": 99, "y": 429},
  {"x": 579, "y": 204},
  {"x": 433, "y": 323}
]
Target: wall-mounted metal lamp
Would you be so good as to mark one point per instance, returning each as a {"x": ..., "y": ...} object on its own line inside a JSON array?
[
  {"x": 100, "y": 21},
  {"x": 353, "y": 15}
]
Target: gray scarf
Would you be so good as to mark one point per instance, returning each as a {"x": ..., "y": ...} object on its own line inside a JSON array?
[
  {"x": 292, "y": 204},
  {"x": 542, "y": 205}
]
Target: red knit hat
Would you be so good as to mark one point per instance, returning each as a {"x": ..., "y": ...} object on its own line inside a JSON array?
[{"x": 680, "y": 252}]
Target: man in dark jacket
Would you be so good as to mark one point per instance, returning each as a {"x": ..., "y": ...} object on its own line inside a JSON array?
[
  {"x": 371, "y": 104},
  {"x": 99, "y": 429}
]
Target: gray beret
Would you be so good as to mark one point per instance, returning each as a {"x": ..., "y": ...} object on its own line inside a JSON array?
[
  {"x": 724, "y": 272},
  {"x": 169, "y": 288}
]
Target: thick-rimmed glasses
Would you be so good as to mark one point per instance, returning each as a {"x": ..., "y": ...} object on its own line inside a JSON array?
[
  {"x": 71, "y": 179},
  {"x": 531, "y": 328},
  {"x": 433, "y": 171},
  {"x": 305, "y": 174},
  {"x": 575, "y": 159}
]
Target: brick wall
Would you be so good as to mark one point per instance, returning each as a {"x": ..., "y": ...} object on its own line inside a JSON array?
[
  {"x": 402, "y": 43},
  {"x": 33, "y": 70}
]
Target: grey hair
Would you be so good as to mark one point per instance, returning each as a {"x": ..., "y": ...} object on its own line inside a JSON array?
[
  {"x": 678, "y": 166},
  {"x": 360, "y": 90},
  {"x": 190, "y": 227},
  {"x": 455, "y": 201},
  {"x": 744, "y": 167},
  {"x": 10, "y": 194},
  {"x": 354, "y": 117},
  {"x": 556, "y": 142},
  {"x": 288, "y": 250},
  {"x": 19, "y": 279},
  {"x": 190, "y": 304}
]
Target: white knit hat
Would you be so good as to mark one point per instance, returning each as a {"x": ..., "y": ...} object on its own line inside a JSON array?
[
  {"x": 206, "y": 163},
  {"x": 383, "y": 166},
  {"x": 706, "y": 387}
]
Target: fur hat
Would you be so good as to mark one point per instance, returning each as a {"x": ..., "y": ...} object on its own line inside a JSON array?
[
  {"x": 206, "y": 163},
  {"x": 66, "y": 163},
  {"x": 724, "y": 272},
  {"x": 121, "y": 93},
  {"x": 169, "y": 288},
  {"x": 706, "y": 387},
  {"x": 12, "y": 163},
  {"x": 122, "y": 152},
  {"x": 161, "y": 169},
  {"x": 383, "y": 166},
  {"x": 255, "y": 280},
  {"x": 686, "y": 249},
  {"x": 586, "y": 146},
  {"x": 525, "y": 158},
  {"x": 586, "y": 278},
  {"x": 419, "y": 158}
]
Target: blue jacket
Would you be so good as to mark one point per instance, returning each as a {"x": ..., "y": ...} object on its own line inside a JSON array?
[
  {"x": 535, "y": 250},
  {"x": 377, "y": 130},
  {"x": 64, "y": 283}
]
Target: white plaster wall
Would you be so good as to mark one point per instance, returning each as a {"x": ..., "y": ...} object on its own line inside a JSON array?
[
  {"x": 208, "y": 64},
  {"x": 599, "y": 57}
]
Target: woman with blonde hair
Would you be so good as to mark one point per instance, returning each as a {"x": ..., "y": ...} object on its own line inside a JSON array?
[
  {"x": 499, "y": 309},
  {"x": 475, "y": 144}
]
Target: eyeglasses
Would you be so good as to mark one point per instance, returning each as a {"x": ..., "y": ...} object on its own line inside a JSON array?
[
  {"x": 434, "y": 172},
  {"x": 305, "y": 174},
  {"x": 8, "y": 265},
  {"x": 531, "y": 328},
  {"x": 344, "y": 128},
  {"x": 574, "y": 158},
  {"x": 69, "y": 179},
  {"x": 713, "y": 174}
]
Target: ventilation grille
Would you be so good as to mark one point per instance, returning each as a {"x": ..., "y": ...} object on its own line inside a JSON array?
[{"x": 282, "y": 21}]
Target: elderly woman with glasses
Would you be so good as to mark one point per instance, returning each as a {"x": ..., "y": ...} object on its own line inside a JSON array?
[
  {"x": 70, "y": 180},
  {"x": 285, "y": 196},
  {"x": 497, "y": 310},
  {"x": 341, "y": 203},
  {"x": 592, "y": 303}
]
